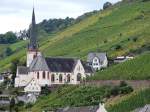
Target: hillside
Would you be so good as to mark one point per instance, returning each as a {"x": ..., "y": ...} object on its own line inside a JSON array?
[
  {"x": 119, "y": 30},
  {"x": 70, "y": 96},
  {"x": 129, "y": 102},
  {"x": 75, "y": 96},
  {"x": 126, "y": 25},
  {"x": 137, "y": 68}
]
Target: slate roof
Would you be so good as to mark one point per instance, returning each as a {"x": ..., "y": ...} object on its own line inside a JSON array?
[
  {"x": 144, "y": 109},
  {"x": 1, "y": 77},
  {"x": 39, "y": 64},
  {"x": 79, "y": 109},
  {"x": 56, "y": 64},
  {"x": 87, "y": 68},
  {"x": 101, "y": 56},
  {"x": 60, "y": 64},
  {"x": 23, "y": 70}
]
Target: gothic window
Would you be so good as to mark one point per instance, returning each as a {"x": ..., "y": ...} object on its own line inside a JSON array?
[
  {"x": 38, "y": 76},
  {"x": 68, "y": 78},
  {"x": 60, "y": 78},
  {"x": 44, "y": 75},
  {"x": 34, "y": 56},
  {"x": 47, "y": 75},
  {"x": 53, "y": 78},
  {"x": 79, "y": 77}
]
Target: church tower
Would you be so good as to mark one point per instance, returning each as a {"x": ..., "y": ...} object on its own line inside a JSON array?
[{"x": 33, "y": 51}]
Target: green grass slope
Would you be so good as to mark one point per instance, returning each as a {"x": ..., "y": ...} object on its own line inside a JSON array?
[
  {"x": 125, "y": 24},
  {"x": 130, "y": 102},
  {"x": 138, "y": 68},
  {"x": 70, "y": 96},
  {"x": 120, "y": 26}
]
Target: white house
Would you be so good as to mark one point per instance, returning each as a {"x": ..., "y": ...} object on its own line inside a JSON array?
[
  {"x": 1, "y": 79},
  {"x": 28, "y": 98},
  {"x": 101, "y": 108},
  {"x": 97, "y": 60},
  {"x": 33, "y": 86},
  {"x": 41, "y": 71}
]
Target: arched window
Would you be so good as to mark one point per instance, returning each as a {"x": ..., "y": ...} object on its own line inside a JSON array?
[
  {"x": 44, "y": 75},
  {"x": 47, "y": 75},
  {"x": 60, "y": 78},
  {"x": 68, "y": 78},
  {"x": 79, "y": 77},
  {"x": 38, "y": 75},
  {"x": 34, "y": 56},
  {"x": 53, "y": 78}
]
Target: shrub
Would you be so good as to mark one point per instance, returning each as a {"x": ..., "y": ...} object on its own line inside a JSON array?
[
  {"x": 107, "y": 5},
  {"x": 45, "y": 90},
  {"x": 126, "y": 90},
  {"x": 118, "y": 47},
  {"x": 115, "y": 91},
  {"x": 123, "y": 84},
  {"x": 135, "y": 39},
  {"x": 20, "y": 103}
]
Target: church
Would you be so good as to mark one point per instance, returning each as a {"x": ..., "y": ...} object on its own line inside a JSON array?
[{"x": 41, "y": 71}]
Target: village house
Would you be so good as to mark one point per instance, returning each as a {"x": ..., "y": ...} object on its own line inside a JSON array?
[
  {"x": 1, "y": 79},
  {"x": 27, "y": 98},
  {"x": 41, "y": 71},
  {"x": 97, "y": 60}
]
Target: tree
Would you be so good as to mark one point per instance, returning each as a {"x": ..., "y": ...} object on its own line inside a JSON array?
[
  {"x": 45, "y": 90},
  {"x": 107, "y": 5},
  {"x": 12, "y": 104},
  {"x": 10, "y": 37},
  {"x": 13, "y": 69},
  {"x": 8, "y": 51}
]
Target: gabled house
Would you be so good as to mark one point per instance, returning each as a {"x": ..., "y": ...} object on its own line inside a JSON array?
[
  {"x": 97, "y": 60},
  {"x": 33, "y": 87}
]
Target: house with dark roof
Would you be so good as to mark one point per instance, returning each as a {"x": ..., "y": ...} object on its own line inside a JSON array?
[
  {"x": 41, "y": 71},
  {"x": 97, "y": 60}
]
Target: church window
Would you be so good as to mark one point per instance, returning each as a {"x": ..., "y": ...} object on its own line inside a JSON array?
[
  {"x": 38, "y": 76},
  {"x": 47, "y": 75},
  {"x": 44, "y": 75},
  {"x": 60, "y": 78},
  {"x": 68, "y": 78},
  {"x": 34, "y": 56},
  {"x": 53, "y": 78},
  {"x": 79, "y": 77}
]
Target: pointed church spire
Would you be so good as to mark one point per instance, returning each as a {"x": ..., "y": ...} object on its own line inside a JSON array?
[{"x": 33, "y": 46}]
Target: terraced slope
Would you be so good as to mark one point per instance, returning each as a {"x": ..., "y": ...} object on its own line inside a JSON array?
[
  {"x": 130, "y": 102},
  {"x": 70, "y": 96}
]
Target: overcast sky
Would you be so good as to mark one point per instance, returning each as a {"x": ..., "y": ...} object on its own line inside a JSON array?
[{"x": 15, "y": 15}]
